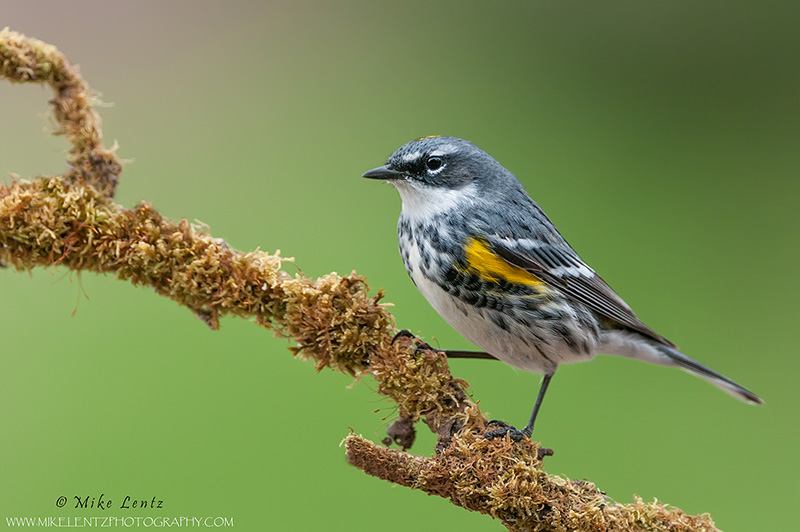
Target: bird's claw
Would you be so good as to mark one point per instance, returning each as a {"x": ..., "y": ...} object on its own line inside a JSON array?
[
  {"x": 402, "y": 333},
  {"x": 514, "y": 433},
  {"x": 420, "y": 345}
]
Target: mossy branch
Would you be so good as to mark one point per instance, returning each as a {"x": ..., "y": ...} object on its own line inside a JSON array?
[
  {"x": 71, "y": 221},
  {"x": 24, "y": 60}
]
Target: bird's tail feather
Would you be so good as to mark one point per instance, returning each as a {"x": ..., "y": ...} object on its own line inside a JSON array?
[
  {"x": 634, "y": 345},
  {"x": 717, "y": 379}
]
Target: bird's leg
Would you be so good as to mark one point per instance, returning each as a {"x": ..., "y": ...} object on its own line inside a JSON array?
[
  {"x": 528, "y": 430},
  {"x": 450, "y": 353},
  {"x": 455, "y": 353},
  {"x": 514, "y": 433}
]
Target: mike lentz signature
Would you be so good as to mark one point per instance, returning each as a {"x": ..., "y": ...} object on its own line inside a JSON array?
[{"x": 103, "y": 503}]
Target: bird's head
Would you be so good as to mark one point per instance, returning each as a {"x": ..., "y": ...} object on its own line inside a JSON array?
[
  {"x": 437, "y": 162},
  {"x": 436, "y": 174}
]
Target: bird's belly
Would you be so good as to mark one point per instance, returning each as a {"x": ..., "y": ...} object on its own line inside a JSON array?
[{"x": 518, "y": 340}]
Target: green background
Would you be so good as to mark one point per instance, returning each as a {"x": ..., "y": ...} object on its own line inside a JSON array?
[{"x": 661, "y": 137}]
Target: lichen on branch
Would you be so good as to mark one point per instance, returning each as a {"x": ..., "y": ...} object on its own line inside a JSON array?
[{"x": 71, "y": 221}]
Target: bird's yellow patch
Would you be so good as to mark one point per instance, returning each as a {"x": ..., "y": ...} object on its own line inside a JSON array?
[
  {"x": 492, "y": 267},
  {"x": 429, "y": 137}
]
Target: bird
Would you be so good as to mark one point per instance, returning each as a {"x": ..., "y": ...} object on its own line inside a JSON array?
[{"x": 492, "y": 264}]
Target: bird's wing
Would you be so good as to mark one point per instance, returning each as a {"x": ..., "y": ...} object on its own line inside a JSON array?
[{"x": 561, "y": 268}]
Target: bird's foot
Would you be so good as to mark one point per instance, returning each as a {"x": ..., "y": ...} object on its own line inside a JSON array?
[
  {"x": 514, "y": 433},
  {"x": 402, "y": 333},
  {"x": 420, "y": 345}
]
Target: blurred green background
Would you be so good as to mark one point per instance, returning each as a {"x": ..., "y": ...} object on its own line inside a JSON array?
[{"x": 661, "y": 137}]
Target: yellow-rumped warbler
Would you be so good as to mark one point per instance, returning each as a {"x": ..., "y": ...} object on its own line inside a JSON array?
[{"x": 493, "y": 265}]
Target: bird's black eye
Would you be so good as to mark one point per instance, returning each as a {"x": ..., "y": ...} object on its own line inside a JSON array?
[{"x": 433, "y": 163}]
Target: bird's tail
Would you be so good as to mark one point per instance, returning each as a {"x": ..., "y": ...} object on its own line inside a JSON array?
[
  {"x": 717, "y": 379},
  {"x": 634, "y": 345}
]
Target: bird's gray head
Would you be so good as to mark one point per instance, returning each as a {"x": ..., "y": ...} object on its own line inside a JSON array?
[{"x": 439, "y": 163}]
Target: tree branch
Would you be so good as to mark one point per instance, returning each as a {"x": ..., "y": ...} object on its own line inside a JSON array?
[{"x": 71, "y": 221}]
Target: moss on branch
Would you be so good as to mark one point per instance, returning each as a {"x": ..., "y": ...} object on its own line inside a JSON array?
[{"x": 25, "y": 60}]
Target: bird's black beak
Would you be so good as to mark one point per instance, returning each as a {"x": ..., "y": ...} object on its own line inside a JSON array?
[{"x": 383, "y": 172}]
